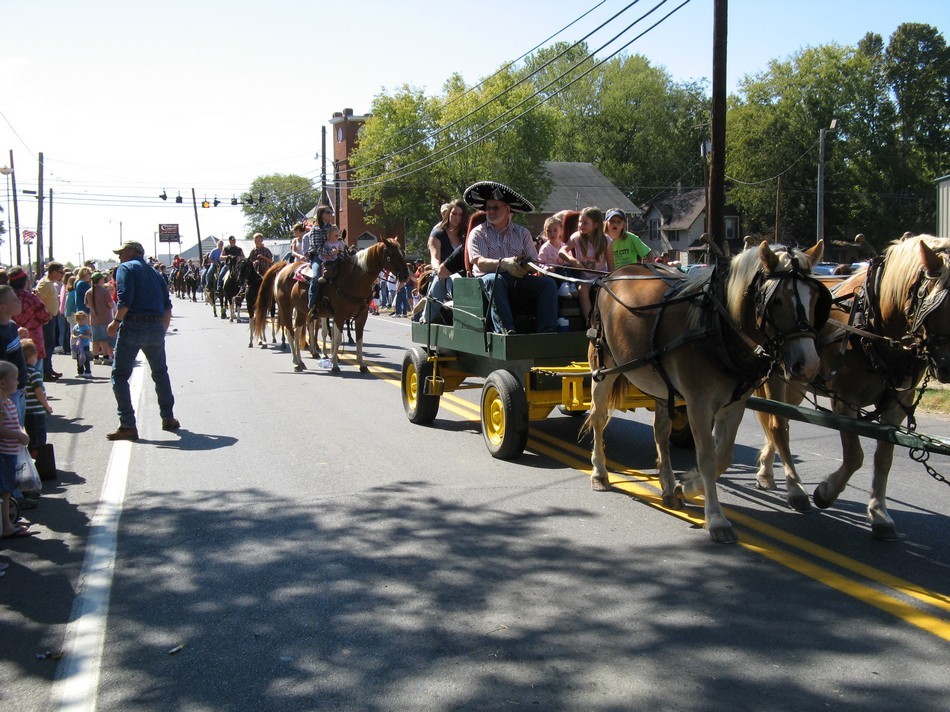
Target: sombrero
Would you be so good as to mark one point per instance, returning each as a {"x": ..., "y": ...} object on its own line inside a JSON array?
[{"x": 477, "y": 194}]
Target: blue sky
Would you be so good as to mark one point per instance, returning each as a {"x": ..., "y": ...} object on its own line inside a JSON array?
[{"x": 127, "y": 98}]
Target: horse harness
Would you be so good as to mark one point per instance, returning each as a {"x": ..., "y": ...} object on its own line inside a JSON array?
[
  {"x": 736, "y": 352},
  {"x": 901, "y": 361}
]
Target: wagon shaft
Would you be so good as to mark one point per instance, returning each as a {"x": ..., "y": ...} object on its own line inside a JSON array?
[{"x": 878, "y": 431}]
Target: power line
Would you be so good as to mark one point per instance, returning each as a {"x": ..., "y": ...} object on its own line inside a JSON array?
[
  {"x": 470, "y": 142},
  {"x": 504, "y": 92}
]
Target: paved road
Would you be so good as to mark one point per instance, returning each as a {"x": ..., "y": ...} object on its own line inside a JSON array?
[{"x": 302, "y": 546}]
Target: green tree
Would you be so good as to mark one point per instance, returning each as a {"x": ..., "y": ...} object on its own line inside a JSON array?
[
  {"x": 646, "y": 131},
  {"x": 630, "y": 119},
  {"x": 880, "y": 164},
  {"x": 917, "y": 69},
  {"x": 274, "y": 203},
  {"x": 417, "y": 152}
]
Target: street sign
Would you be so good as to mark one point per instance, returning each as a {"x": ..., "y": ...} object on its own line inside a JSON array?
[{"x": 168, "y": 232}]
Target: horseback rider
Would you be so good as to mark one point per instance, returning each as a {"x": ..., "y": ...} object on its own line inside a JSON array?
[
  {"x": 261, "y": 258},
  {"x": 229, "y": 257},
  {"x": 314, "y": 241}
]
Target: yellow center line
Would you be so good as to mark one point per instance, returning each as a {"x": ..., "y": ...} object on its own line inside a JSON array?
[{"x": 646, "y": 488}]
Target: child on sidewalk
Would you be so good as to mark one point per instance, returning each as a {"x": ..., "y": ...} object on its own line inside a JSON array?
[
  {"x": 12, "y": 440},
  {"x": 82, "y": 335},
  {"x": 37, "y": 407},
  {"x": 101, "y": 311}
]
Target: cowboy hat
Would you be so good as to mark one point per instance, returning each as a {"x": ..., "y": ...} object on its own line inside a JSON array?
[{"x": 477, "y": 194}]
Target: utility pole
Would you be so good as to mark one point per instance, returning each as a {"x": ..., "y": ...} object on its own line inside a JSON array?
[
  {"x": 717, "y": 163},
  {"x": 821, "y": 177},
  {"x": 16, "y": 210},
  {"x": 51, "y": 223},
  {"x": 323, "y": 162},
  {"x": 194, "y": 201},
  {"x": 39, "y": 218}
]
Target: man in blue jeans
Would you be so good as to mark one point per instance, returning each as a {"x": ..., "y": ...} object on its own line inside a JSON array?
[
  {"x": 498, "y": 249},
  {"x": 144, "y": 312}
]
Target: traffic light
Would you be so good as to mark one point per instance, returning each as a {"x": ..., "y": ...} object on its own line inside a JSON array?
[
  {"x": 178, "y": 198},
  {"x": 233, "y": 200},
  {"x": 216, "y": 201},
  {"x": 205, "y": 203},
  {"x": 164, "y": 195}
]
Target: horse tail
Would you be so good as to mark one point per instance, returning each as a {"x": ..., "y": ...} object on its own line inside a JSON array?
[
  {"x": 265, "y": 298},
  {"x": 617, "y": 395}
]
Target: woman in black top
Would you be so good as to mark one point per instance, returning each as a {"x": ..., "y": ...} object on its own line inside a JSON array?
[{"x": 446, "y": 248}]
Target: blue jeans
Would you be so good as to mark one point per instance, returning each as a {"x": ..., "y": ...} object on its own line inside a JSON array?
[
  {"x": 149, "y": 338},
  {"x": 314, "y": 289},
  {"x": 440, "y": 291},
  {"x": 402, "y": 301},
  {"x": 542, "y": 289}
]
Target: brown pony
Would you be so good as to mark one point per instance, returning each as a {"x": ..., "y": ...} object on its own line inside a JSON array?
[
  {"x": 681, "y": 342},
  {"x": 901, "y": 307},
  {"x": 346, "y": 295}
]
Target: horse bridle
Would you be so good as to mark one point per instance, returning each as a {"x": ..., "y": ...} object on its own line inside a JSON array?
[
  {"x": 763, "y": 296},
  {"x": 927, "y": 295}
]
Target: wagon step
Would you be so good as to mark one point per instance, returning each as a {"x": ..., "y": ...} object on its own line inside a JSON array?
[{"x": 878, "y": 431}]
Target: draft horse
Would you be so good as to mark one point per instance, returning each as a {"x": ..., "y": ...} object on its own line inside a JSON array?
[
  {"x": 889, "y": 329},
  {"x": 710, "y": 338},
  {"x": 346, "y": 295}
]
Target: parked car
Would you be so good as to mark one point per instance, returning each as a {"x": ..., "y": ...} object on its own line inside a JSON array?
[{"x": 825, "y": 268}]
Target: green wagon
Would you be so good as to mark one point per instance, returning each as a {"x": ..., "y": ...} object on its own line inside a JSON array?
[{"x": 523, "y": 376}]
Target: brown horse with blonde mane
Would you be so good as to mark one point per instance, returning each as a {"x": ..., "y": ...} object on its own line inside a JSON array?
[
  {"x": 345, "y": 296},
  {"x": 900, "y": 307},
  {"x": 671, "y": 335}
]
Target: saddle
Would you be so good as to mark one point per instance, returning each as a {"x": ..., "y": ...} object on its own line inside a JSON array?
[{"x": 303, "y": 272}]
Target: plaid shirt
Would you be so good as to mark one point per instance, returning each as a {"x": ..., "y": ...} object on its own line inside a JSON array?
[{"x": 513, "y": 241}]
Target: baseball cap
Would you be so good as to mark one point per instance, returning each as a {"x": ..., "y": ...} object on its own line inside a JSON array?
[
  {"x": 614, "y": 213},
  {"x": 131, "y": 245}
]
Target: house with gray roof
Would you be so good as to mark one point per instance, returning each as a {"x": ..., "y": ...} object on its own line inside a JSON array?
[
  {"x": 672, "y": 223},
  {"x": 576, "y": 186}
]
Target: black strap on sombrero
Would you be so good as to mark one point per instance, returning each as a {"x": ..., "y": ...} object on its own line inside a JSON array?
[{"x": 477, "y": 194}]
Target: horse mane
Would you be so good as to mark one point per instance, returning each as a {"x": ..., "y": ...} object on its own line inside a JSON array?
[
  {"x": 363, "y": 258},
  {"x": 744, "y": 267},
  {"x": 902, "y": 260}
]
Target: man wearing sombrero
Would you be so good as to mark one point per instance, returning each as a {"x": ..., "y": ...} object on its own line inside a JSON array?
[{"x": 497, "y": 249}]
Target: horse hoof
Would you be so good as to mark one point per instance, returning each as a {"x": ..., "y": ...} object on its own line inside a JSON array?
[
  {"x": 799, "y": 503},
  {"x": 765, "y": 484},
  {"x": 679, "y": 492},
  {"x": 885, "y": 532},
  {"x": 299, "y": 368},
  {"x": 819, "y": 499},
  {"x": 334, "y": 369},
  {"x": 724, "y": 535},
  {"x": 671, "y": 501},
  {"x": 364, "y": 368},
  {"x": 598, "y": 485}
]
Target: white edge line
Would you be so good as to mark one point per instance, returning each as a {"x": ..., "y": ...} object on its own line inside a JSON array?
[{"x": 77, "y": 677}]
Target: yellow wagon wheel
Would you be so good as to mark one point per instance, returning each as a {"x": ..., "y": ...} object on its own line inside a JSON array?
[
  {"x": 416, "y": 368},
  {"x": 504, "y": 414}
]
